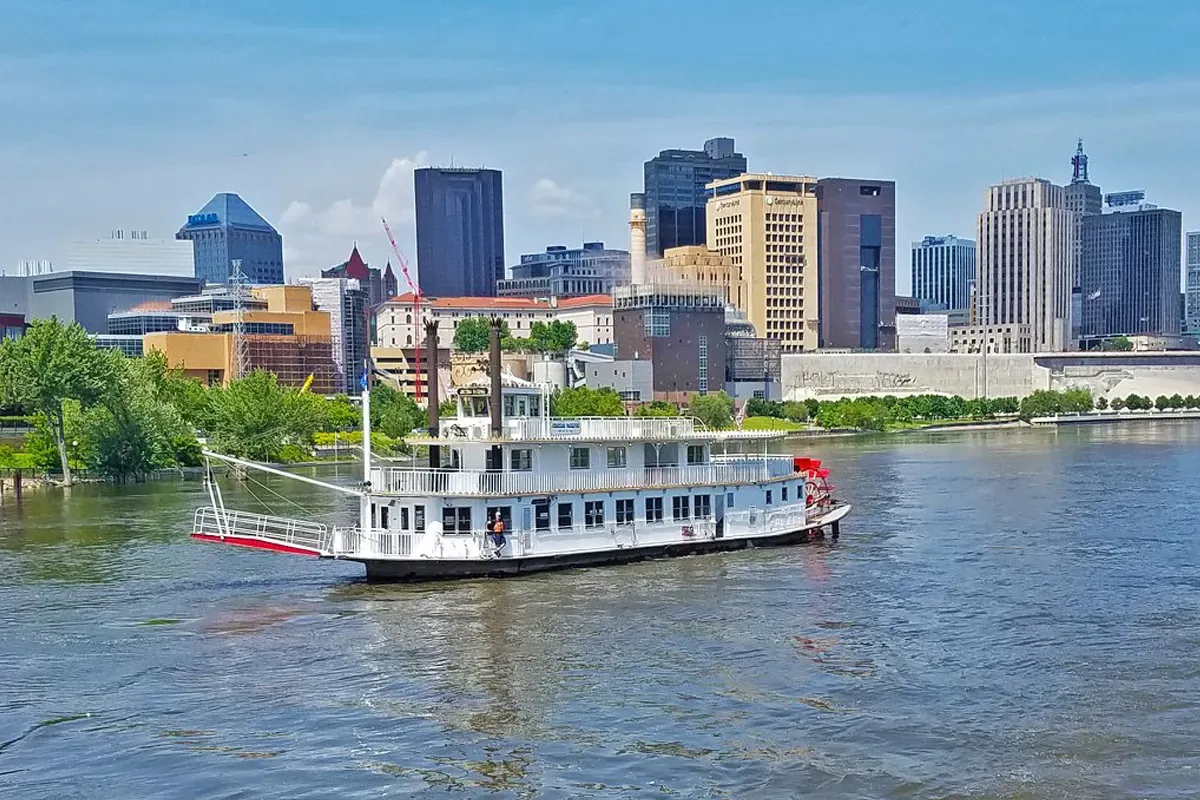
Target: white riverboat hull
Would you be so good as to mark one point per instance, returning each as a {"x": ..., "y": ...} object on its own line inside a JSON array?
[{"x": 418, "y": 570}]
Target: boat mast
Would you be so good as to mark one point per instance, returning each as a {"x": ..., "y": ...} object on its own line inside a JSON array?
[{"x": 364, "y": 513}]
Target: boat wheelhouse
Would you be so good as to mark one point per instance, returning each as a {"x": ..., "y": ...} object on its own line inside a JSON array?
[{"x": 570, "y": 491}]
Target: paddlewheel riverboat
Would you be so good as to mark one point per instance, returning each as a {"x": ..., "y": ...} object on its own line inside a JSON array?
[{"x": 570, "y": 492}]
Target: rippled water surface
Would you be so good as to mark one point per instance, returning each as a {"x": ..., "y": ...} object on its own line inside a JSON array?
[{"x": 1007, "y": 615}]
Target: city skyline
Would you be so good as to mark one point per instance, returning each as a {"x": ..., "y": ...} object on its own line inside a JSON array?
[{"x": 325, "y": 153}]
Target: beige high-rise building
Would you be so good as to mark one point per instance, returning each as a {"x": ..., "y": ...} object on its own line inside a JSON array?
[
  {"x": 1026, "y": 261},
  {"x": 767, "y": 226},
  {"x": 699, "y": 267}
]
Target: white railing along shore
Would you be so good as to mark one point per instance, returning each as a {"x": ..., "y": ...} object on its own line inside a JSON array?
[{"x": 593, "y": 429}]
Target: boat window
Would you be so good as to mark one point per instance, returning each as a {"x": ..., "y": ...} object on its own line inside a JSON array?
[
  {"x": 695, "y": 454},
  {"x": 616, "y": 458},
  {"x": 384, "y": 514},
  {"x": 456, "y": 520},
  {"x": 680, "y": 508},
  {"x": 404, "y": 518},
  {"x": 768, "y": 497},
  {"x": 521, "y": 460},
  {"x": 509, "y": 405},
  {"x": 565, "y": 516},
  {"x": 593, "y": 513},
  {"x": 541, "y": 514},
  {"x": 479, "y": 406},
  {"x": 783, "y": 493},
  {"x": 654, "y": 509},
  {"x": 419, "y": 519},
  {"x": 581, "y": 458},
  {"x": 729, "y": 500},
  {"x": 703, "y": 506},
  {"x": 522, "y": 407},
  {"x": 625, "y": 512},
  {"x": 535, "y": 406}
]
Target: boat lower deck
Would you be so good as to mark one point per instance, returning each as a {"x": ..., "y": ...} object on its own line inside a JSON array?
[{"x": 417, "y": 570}]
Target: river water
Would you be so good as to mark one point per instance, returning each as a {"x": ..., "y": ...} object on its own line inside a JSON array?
[{"x": 1011, "y": 614}]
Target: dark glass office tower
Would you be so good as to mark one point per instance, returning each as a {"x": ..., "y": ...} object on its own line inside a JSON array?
[
  {"x": 1129, "y": 271},
  {"x": 675, "y": 196},
  {"x": 460, "y": 231},
  {"x": 856, "y": 263}
]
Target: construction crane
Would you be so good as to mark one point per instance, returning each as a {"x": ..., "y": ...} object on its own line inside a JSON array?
[{"x": 416, "y": 293}]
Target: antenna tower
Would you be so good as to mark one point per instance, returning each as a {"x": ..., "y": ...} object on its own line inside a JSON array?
[{"x": 241, "y": 346}]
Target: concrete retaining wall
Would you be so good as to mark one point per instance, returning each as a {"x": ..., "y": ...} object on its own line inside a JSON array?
[{"x": 1107, "y": 374}]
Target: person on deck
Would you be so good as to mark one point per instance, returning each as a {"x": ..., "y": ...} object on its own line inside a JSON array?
[{"x": 497, "y": 532}]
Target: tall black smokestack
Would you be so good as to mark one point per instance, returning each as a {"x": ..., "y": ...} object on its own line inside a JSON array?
[
  {"x": 431, "y": 375},
  {"x": 497, "y": 392}
]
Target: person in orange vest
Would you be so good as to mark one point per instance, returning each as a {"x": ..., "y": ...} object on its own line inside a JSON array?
[{"x": 498, "y": 540}]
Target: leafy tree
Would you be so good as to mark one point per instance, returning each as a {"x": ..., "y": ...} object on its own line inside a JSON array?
[
  {"x": 714, "y": 410},
  {"x": 395, "y": 413},
  {"x": 1177, "y": 401},
  {"x": 758, "y": 407},
  {"x": 254, "y": 417},
  {"x": 343, "y": 415},
  {"x": 1162, "y": 402},
  {"x": 1119, "y": 343},
  {"x": 473, "y": 334},
  {"x": 1117, "y": 404},
  {"x": 1102, "y": 403},
  {"x": 585, "y": 402},
  {"x": 447, "y": 409},
  {"x": 556, "y": 336},
  {"x": 1189, "y": 401},
  {"x": 813, "y": 405},
  {"x": 582, "y": 345},
  {"x": 1076, "y": 400},
  {"x": 657, "y": 408},
  {"x": 51, "y": 364},
  {"x": 795, "y": 411}
]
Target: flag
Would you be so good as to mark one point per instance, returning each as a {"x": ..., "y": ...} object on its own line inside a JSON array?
[
  {"x": 363, "y": 382},
  {"x": 1094, "y": 295}
]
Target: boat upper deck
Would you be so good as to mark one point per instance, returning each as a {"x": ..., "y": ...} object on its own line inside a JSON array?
[{"x": 588, "y": 429}]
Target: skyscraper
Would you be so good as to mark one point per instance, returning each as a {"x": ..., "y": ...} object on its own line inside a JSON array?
[
  {"x": 1192, "y": 314},
  {"x": 1129, "y": 272},
  {"x": 460, "y": 231},
  {"x": 766, "y": 225},
  {"x": 857, "y": 263},
  {"x": 675, "y": 196},
  {"x": 227, "y": 229},
  {"x": 942, "y": 270},
  {"x": 1026, "y": 260},
  {"x": 1083, "y": 197}
]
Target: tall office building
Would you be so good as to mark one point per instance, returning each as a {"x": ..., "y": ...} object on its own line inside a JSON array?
[
  {"x": 675, "y": 196},
  {"x": 1082, "y": 196},
  {"x": 942, "y": 270},
  {"x": 347, "y": 302},
  {"x": 1192, "y": 302},
  {"x": 766, "y": 225},
  {"x": 460, "y": 231},
  {"x": 1026, "y": 260},
  {"x": 1129, "y": 272},
  {"x": 227, "y": 229},
  {"x": 856, "y": 267},
  {"x": 562, "y": 272}
]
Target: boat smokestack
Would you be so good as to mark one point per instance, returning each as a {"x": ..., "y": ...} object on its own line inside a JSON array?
[
  {"x": 637, "y": 238},
  {"x": 431, "y": 375},
  {"x": 497, "y": 399}
]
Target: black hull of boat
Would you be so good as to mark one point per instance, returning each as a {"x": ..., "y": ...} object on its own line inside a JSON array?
[{"x": 413, "y": 571}]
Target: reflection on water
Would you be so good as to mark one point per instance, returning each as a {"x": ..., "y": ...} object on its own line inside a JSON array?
[{"x": 1008, "y": 614}]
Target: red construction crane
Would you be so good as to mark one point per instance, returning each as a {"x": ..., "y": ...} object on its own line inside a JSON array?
[{"x": 416, "y": 293}]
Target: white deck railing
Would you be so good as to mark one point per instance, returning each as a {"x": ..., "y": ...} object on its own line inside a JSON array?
[
  {"x": 281, "y": 530},
  {"x": 725, "y": 472},
  {"x": 526, "y": 429}
]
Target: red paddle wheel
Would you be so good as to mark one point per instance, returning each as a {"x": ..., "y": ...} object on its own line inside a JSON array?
[{"x": 817, "y": 488}]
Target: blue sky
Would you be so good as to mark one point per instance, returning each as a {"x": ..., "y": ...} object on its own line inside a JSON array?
[{"x": 132, "y": 114}]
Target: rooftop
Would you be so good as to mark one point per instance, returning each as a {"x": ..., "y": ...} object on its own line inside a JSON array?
[
  {"x": 227, "y": 210},
  {"x": 504, "y": 303}
]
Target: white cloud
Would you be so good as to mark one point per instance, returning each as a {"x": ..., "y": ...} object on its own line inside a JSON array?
[
  {"x": 549, "y": 199},
  {"x": 316, "y": 238}
]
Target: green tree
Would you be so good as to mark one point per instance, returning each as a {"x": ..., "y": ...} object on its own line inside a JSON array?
[
  {"x": 1118, "y": 403},
  {"x": 1177, "y": 400},
  {"x": 795, "y": 411},
  {"x": 1189, "y": 401},
  {"x": 395, "y": 413},
  {"x": 472, "y": 334},
  {"x": 657, "y": 408},
  {"x": 50, "y": 365},
  {"x": 1076, "y": 401},
  {"x": 343, "y": 415},
  {"x": 714, "y": 410},
  {"x": 585, "y": 402},
  {"x": 1102, "y": 403},
  {"x": 1162, "y": 402},
  {"x": 1120, "y": 343},
  {"x": 556, "y": 336},
  {"x": 254, "y": 417}
]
